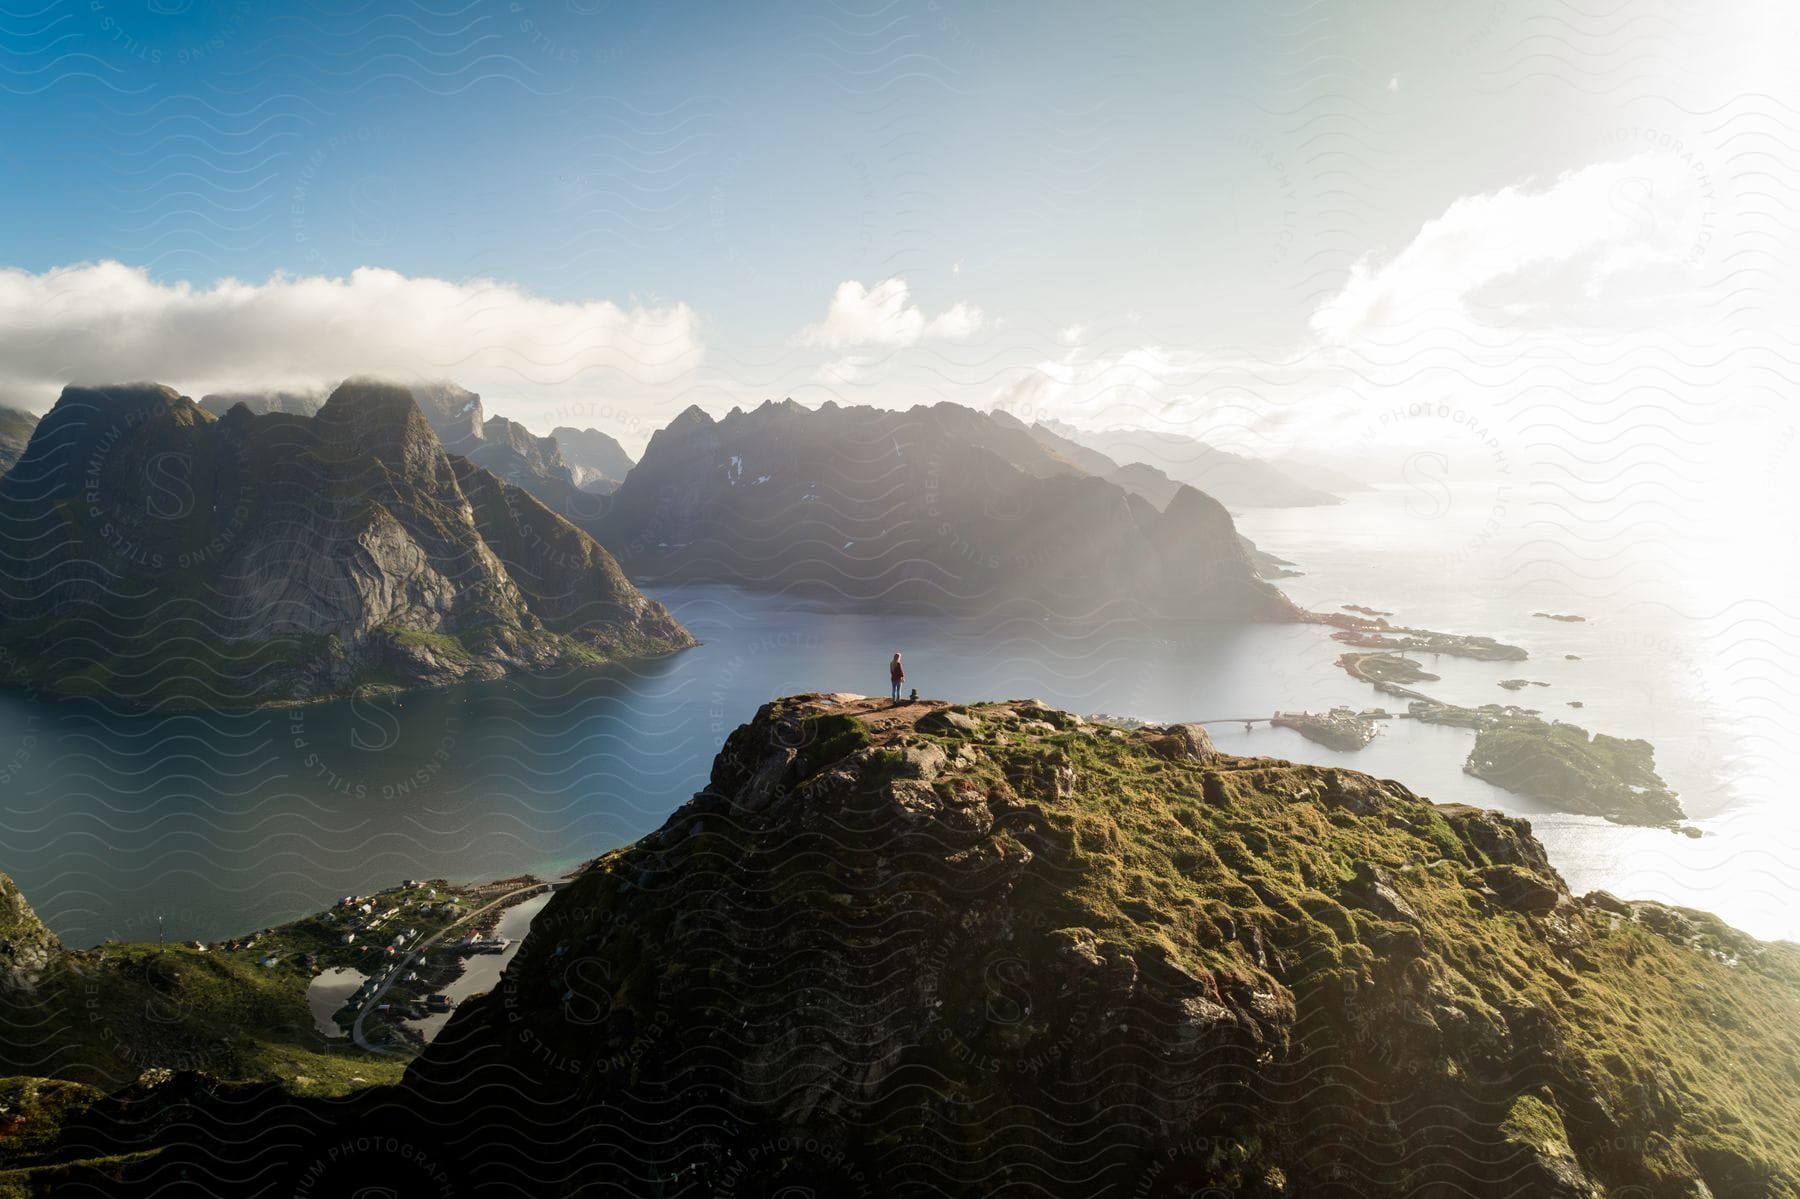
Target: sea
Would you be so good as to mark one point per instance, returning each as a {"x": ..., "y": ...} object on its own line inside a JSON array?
[{"x": 130, "y": 826}]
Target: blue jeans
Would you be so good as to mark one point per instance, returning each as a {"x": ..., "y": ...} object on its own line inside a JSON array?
[{"x": 896, "y": 690}]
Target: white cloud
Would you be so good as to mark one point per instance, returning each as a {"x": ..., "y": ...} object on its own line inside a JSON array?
[
  {"x": 1495, "y": 290},
  {"x": 107, "y": 322},
  {"x": 958, "y": 322},
  {"x": 885, "y": 315},
  {"x": 1131, "y": 385},
  {"x": 1517, "y": 254}
]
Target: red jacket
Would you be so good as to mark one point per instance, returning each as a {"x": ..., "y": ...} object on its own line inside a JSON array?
[{"x": 897, "y": 673}]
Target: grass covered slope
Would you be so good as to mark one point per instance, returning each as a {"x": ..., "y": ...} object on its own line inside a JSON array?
[
  {"x": 996, "y": 949},
  {"x": 924, "y": 949},
  {"x": 103, "y": 1016}
]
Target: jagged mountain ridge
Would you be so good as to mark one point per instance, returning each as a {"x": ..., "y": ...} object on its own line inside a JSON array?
[
  {"x": 1233, "y": 479},
  {"x": 510, "y": 450},
  {"x": 461, "y": 423},
  {"x": 599, "y": 462},
  {"x": 939, "y": 507},
  {"x": 153, "y": 553},
  {"x": 297, "y": 403}
]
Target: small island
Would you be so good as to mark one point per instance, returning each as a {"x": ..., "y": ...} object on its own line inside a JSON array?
[
  {"x": 1456, "y": 645},
  {"x": 1566, "y": 618},
  {"x": 1518, "y": 750},
  {"x": 1341, "y": 728},
  {"x": 1388, "y": 673},
  {"x": 1372, "y": 631},
  {"x": 1562, "y": 764}
]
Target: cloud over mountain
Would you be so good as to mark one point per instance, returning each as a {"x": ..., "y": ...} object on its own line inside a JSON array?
[
  {"x": 107, "y": 321},
  {"x": 885, "y": 315}
]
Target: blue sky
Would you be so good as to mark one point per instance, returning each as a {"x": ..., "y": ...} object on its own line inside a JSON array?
[
  {"x": 746, "y": 164},
  {"x": 1123, "y": 210}
]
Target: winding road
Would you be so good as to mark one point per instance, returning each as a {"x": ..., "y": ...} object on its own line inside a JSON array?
[{"x": 399, "y": 971}]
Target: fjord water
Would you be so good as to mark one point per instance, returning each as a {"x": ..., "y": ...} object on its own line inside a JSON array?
[
  {"x": 219, "y": 824},
  {"x": 225, "y": 822}
]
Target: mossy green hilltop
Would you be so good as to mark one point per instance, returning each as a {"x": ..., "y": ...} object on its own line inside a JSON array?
[{"x": 995, "y": 949}]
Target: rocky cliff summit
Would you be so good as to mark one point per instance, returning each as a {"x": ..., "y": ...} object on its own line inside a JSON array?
[
  {"x": 152, "y": 553},
  {"x": 993, "y": 949},
  {"x": 996, "y": 949},
  {"x": 598, "y": 461}
]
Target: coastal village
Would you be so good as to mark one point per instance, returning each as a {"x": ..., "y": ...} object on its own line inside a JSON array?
[{"x": 376, "y": 963}]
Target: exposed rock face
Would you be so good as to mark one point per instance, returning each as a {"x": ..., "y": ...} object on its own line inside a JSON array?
[
  {"x": 567, "y": 579},
  {"x": 599, "y": 463},
  {"x": 535, "y": 464},
  {"x": 509, "y": 450},
  {"x": 913, "y": 949},
  {"x": 934, "y": 507},
  {"x": 509, "y": 447},
  {"x": 26, "y": 946},
  {"x": 15, "y": 430},
  {"x": 453, "y": 412},
  {"x": 175, "y": 558},
  {"x": 924, "y": 949}
]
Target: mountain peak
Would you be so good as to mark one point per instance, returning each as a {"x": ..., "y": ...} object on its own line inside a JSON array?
[
  {"x": 1008, "y": 925},
  {"x": 141, "y": 392},
  {"x": 375, "y": 417},
  {"x": 453, "y": 411},
  {"x": 939, "y": 506},
  {"x": 125, "y": 401},
  {"x": 368, "y": 395},
  {"x": 595, "y": 457},
  {"x": 90, "y": 427},
  {"x": 276, "y": 557}
]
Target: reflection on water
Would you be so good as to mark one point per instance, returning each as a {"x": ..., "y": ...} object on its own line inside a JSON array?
[
  {"x": 482, "y": 971},
  {"x": 224, "y": 823},
  {"x": 328, "y": 992}
]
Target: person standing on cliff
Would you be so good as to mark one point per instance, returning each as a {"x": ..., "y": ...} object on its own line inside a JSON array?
[{"x": 896, "y": 675}]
